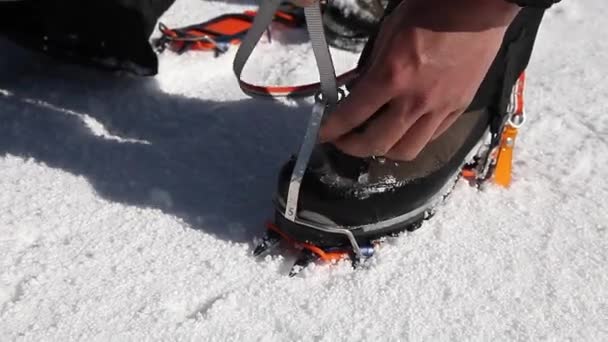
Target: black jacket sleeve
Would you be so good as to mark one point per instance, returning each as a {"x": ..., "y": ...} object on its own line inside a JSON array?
[{"x": 535, "y": 3}]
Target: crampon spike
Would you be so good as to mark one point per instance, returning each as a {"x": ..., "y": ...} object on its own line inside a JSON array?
[
  {"x": 306, "y": 257},
  {"x": 270, "y": 240}
]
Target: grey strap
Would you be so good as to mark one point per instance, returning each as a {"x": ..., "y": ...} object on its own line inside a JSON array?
[
  {"x": 329, "y": 98},
  {"x": 262, "y": 21},
  {"x": 299, "y": 169},
  {"x": 329, "y": 88},
  {"x": 327, "y": 73}
]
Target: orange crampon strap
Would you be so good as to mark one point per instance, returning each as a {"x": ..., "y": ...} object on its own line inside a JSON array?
[
  {"x": 219, "y": 33},
  {"x": 322, "y": 254},
  {"x": 293, "y": 90}
]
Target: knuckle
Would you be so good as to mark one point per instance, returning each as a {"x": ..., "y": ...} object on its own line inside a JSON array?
[
  {"x": 422, "y": 103},
  {"x": 402, "y": 121},
  {"x": 395, "y": 80},
  {"x": 436, "y": 117},
  {"x": 391, "y": 75}
]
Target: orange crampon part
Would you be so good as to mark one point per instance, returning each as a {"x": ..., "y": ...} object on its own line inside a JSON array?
[
  {"x": 497, "y": 163},
  {"x": 218, "y": 33},
  {"x": 504, "y": 162},
  {"x": 323, "y": 255}
]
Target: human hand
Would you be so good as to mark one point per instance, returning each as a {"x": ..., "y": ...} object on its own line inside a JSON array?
[{"x": 426, "y": 65}]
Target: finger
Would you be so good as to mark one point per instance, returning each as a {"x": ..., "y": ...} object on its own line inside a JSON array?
[
  {"x": 447, "y": 123},
  {"x": 380, "y": 134},
  {"x": 415, "y": 139},
  {"x": 364, "y": 100}
]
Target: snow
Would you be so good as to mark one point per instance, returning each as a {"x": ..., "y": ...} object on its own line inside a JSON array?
[{"x": 129, "y": 208}]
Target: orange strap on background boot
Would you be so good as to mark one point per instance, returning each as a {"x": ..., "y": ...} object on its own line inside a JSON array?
[
  {"x": 219, "y": 33},
  {"x": 504, "y": 162}
]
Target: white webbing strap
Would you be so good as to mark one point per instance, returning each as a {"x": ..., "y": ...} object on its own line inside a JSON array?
[{"x": 328, "y": 84}]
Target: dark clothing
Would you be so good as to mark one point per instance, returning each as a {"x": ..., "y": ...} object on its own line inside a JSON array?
[
  {"x": 114, "y": 34},
  {"x": 107, "y": 33},
  {"x": 511, "y": 60},
  {"x": 535, "y": 3}
]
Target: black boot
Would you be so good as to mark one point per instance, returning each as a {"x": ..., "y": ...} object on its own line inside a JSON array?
[
  {"x": 109, "y": 34},
  {"x": 374, "y": 197},
  {"x": 348, "y": 25}
]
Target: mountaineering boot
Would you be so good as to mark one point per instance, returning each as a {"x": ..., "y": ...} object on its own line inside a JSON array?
[
  {"x": 349, "y": 24},
  {"x": 108, "y": 34},
  {"x": 374, "y": 197},
  {"x": 343, "y": 198}
]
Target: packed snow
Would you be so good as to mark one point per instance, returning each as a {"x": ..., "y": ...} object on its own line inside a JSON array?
[{"x": 129, "y": 207}]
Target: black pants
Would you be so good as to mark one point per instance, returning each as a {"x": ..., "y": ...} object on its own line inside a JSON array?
[{"x": 511, "y": 60}]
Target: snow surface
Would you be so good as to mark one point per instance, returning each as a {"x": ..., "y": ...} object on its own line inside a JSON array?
[{"x": 128, "y": 207}]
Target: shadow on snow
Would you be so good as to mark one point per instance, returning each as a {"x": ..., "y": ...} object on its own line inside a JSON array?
[{"x": 212, "y": 164}]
